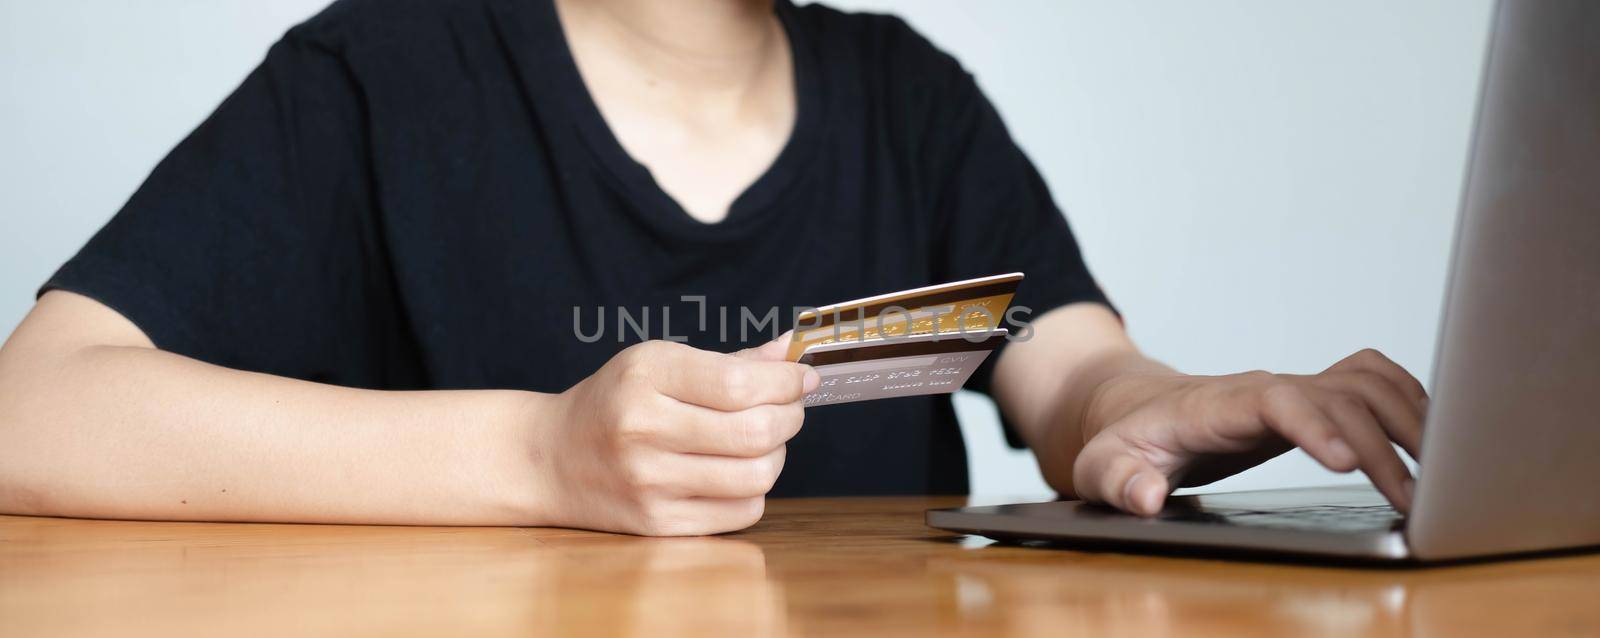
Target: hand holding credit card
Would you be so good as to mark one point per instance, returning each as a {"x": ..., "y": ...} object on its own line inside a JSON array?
[{"x": 925, "y": 340}]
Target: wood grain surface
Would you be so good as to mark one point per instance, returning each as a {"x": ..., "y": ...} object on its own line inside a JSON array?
[{"x": 824, "y": 567}]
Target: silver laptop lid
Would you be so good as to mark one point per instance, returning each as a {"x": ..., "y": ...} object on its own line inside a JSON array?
[{"x": 1511, "y": 458}]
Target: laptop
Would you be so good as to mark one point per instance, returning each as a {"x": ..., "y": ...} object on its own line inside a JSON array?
[{"x": 1511, "y": 453}]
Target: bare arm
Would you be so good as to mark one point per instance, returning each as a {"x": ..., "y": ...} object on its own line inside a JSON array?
[
  {"x": 96, "y": 422},
  {"x": 1110, "y": 425}
]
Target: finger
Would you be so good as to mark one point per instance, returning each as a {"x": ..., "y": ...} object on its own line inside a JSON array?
[
  {"x": 1109, "y": 471},
  {"x": 1378, "y": 459},
  {"x": 1377, "y": 362},
  {"x": 701, "y": 516},
  {"x": 750, "y": 433},
  {"x": 775, "y": 350},
  {"x": 731, "y": 514},
  {"x": 729, "y": 383},
  {"x": 699, "y": 475},
  {"x": 1289, "y": 411},
  {"x": 1400, "y": 417}
]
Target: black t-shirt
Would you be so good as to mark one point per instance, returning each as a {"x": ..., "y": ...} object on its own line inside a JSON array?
[{"x": 422, "y": 194}]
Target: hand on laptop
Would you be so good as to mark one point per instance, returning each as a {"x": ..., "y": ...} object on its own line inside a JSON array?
[
  {"x": 1147, "y": 434},
  {"x": 668, "y": 440}
]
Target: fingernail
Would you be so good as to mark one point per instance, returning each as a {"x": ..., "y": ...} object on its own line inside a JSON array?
[
  {"x": 811, "y": 381},
  {"x": 1340, "y": 454},
  {"x": 1138, "y": 502},
  {"x": 1128, "y": 490}
]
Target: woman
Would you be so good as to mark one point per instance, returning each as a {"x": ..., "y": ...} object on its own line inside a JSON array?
[{"x": 354, "y": 293}]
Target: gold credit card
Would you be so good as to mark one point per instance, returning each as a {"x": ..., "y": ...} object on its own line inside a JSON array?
[{"x": 973, "y": 305}]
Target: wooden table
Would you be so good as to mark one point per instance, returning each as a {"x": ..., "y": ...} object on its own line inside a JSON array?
[{"x": 827, "y": 567}]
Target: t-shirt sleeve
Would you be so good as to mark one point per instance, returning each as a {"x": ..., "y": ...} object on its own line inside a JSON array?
[
  {"x": 993, "y": 212},
  {"x": 253, "y": 244}
]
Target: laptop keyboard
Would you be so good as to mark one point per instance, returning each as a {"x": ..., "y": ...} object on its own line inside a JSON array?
[{"x": 1333, "y": 518}]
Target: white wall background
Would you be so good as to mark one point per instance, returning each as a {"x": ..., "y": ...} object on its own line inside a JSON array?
[{"x": 1258, "y": 184}]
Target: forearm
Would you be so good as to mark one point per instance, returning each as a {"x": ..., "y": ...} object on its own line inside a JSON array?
[
  {"x": 133, "y": 432},
  {"x": 1050, "y": 385}
]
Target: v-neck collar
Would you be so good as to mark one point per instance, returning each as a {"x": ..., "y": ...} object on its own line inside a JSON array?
[{"x": 550, "y": 74}]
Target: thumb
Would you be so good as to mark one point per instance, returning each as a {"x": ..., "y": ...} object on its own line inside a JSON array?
[
  {"x": 775, "y": 350},
  {"x": 778, "y": 350},
  {"x": 1109, "y": 471}
]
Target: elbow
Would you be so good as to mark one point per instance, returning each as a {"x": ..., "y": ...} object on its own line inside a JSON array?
[
  {"x": 22, "y": 487},
  {"x": 20, "y": 497}
]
